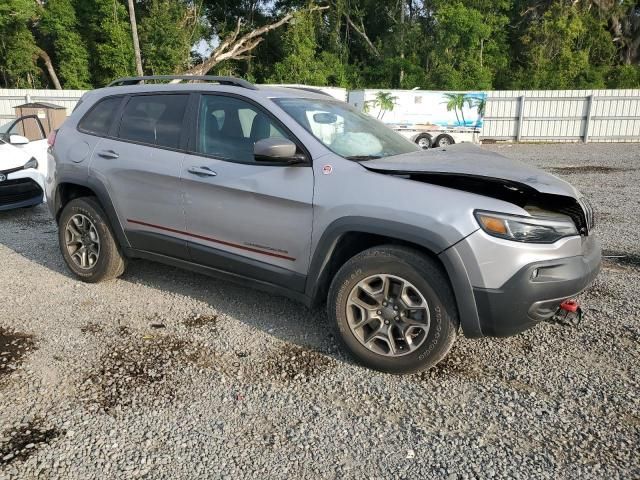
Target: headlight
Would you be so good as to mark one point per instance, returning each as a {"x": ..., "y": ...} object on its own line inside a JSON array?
[
  {"x": 526, "y": 229},
  {"x": 32, "y": 163}
]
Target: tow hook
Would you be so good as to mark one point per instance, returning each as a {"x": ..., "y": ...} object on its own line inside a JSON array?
[{"x": 569, "y": 314}]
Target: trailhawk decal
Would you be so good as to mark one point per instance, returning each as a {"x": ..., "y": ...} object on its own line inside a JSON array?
[{"x": 214, "y": 240}]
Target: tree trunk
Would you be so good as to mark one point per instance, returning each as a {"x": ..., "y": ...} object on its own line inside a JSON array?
[
  {"x": 401, "y": 41},
  {"x": 134, "y": 34},
  {"x": 49, "y": 66}
]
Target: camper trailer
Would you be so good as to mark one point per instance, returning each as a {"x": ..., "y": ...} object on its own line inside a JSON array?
[{"x": 428, "y": 118}]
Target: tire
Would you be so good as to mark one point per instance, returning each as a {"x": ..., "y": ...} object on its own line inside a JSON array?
[
  {"x": 109, "y": 262},
  {"x": 444, "y": 140},
  {"x": 424, "y": 141},
  {"x": 422, "y": 274}
]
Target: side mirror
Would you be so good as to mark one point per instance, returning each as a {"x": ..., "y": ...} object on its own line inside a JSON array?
[
  {"x": 277, "y": 150},
  {"x": 18, "y": 140}
]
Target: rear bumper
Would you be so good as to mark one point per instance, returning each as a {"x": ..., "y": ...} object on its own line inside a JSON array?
[
  {"x": 19, "y": 193},
  {"x": 534, "y": 293}
]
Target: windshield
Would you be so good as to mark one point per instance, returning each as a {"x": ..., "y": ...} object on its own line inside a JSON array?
[{"x": 344, "y": 130}]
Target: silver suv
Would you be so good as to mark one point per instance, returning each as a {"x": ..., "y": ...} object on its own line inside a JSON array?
[{"x": 294, "y": 192}]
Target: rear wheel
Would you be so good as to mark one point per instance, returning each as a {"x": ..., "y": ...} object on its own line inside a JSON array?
[
  {"x": 87, "y": 243},
  {"x": 393, "y": 309},
  {"x": 444, "y": 140}
]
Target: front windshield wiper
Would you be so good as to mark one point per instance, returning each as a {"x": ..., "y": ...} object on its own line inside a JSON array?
[{"x": 359, "y": 158}]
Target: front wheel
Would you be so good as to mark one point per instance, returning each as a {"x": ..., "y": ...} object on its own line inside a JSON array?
[
  {"x": 87, "y": 243},
  {"x": 393, "y": 309}
]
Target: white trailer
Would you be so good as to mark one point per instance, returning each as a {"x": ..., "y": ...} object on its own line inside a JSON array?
[{"x": 424, "y": 116}]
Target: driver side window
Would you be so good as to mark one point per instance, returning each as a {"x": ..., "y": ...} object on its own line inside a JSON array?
[{"x": 229, "y": 127}]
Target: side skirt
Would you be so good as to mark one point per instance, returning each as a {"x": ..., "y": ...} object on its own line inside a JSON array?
[{"x": 223, "y": 275}]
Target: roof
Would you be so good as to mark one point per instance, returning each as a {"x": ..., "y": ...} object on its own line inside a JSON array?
[{"x": 53, "y": 106}]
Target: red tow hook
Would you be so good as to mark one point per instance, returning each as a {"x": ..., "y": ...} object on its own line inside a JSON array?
[{"x": 569, "y": 313}]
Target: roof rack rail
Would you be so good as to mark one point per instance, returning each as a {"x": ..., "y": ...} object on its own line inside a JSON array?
[
  {"x": 310, "y": 89},
  {"x": 231, "y": 81}
]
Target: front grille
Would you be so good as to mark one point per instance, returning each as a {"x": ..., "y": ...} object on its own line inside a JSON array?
[
  {"x": 18, "y": 190},
  {"x": 588, "y": 213}
]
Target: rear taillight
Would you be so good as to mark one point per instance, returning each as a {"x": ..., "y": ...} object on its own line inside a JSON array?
[{"x": 51, "y": 139}]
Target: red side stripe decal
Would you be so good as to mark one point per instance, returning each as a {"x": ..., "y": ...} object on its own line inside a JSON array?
[{"x": 209, "y": 239}]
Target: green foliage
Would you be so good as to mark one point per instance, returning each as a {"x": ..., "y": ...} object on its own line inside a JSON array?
[
  {"x": 18, "y": 49},
  {"x": 59, "y": 28},
  {"x": 167, "y": 34},
  {"x": 434, "y": 44},
  {"x": 303, "y": 63}
]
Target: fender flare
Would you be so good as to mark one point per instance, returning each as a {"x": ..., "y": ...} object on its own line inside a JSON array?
[
  {"x": 101, "y": 193},
  {"x": 434, "y": 242}
]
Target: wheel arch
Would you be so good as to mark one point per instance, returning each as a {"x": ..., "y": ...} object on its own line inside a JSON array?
[
  {"x": 70, "y": 189},
  {"x": 347, "y": 237}
]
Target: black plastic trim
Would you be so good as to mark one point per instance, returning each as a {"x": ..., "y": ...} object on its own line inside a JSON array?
[{"x": 221, "y": 274}]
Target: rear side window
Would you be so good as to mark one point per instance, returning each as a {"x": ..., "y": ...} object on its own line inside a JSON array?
[
  {"x": 154, "y": 119},
  {"x": 99, "y": 118}
]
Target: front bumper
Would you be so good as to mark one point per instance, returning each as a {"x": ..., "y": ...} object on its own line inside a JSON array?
[
  {"x": 20, "y": 192},
  {"x": 503, "y": 287},
  {"x": 534, "y": 293}
]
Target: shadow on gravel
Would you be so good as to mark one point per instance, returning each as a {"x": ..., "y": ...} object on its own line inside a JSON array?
[
  {"x": 589, "y": 169},
  {"x": 20, "y": 443},
  {"x": 13, "y": 348},
  {"x": 621, "y": 259}
]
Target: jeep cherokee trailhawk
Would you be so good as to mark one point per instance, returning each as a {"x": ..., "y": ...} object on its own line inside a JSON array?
[{"x": 294, "y": 192}]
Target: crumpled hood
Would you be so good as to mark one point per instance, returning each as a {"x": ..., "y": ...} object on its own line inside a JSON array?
[{"x": 471, "y": 161}]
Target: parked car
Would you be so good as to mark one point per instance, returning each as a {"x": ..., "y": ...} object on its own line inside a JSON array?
[
  {"x": 23, "y": 163},
  {"x": 299, "y": 194}
]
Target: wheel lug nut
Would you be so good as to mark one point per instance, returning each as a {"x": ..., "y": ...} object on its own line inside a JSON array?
[
  {"x": 395, "y": 307},
  {"x": 386, "y": 322},
  {"x": 379, "y": 312},
  {"x": 384, "y": 304}
]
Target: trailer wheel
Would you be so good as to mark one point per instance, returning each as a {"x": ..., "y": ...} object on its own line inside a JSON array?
[
  {"x": 444, "y": 140},
  {"x": 424, "y": 141}
]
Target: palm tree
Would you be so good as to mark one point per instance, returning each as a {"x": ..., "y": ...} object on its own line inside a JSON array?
[
  {"x": 455, "y": 102},
  {"x": 385, "y": 102}
]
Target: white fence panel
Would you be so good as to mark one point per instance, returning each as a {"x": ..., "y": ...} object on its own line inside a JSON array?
[
  {"x": 10, "y": 98},
  {"x": 563, "y": 116}
]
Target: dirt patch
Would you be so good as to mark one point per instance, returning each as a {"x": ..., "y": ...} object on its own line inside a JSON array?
[
  {"x": 573, "y": 169},
  {"x": 201, "y": 321},
  {"x": 293, "y": 363},
  {"x": 13, "y": 349},
  {"x": 621, "y": 259},
  {"x": 92, "y": 328},
  {"x": 22, "y": 442},
  {"x": 140, "y": 369}
]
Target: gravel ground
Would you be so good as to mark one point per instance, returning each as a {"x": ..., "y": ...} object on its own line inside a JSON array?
[{"x": 168, "y": 374}]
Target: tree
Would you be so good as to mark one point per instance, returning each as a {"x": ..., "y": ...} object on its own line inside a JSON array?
[
  {"x": 302, "y": 62},
  {"x": 58, "y": 28},
  {"x": 134, "y": 37}
]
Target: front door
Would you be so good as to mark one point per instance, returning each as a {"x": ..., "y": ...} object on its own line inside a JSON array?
[
  {"x": 140, "y": 165},
  {"x": 243, "y": 217}
]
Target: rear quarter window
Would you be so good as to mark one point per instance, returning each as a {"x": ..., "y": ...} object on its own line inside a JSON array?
[
  {"x": 98, "y": 120},
  {"x": 154, "y": 119}
]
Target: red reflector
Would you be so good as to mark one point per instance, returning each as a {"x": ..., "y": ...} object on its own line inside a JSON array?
[
  {"x": 51, "y": 139},
  {"x": 569, "y": 306}
]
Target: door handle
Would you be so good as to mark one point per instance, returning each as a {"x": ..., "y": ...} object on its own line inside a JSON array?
[
  {"x": 110, "y": 154},
  {"x": 202, "y": 171}
]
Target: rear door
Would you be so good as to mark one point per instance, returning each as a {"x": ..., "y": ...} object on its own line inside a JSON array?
[
  {"x": 244, "y": 217},
  {"x": 140, "y": 163}
]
